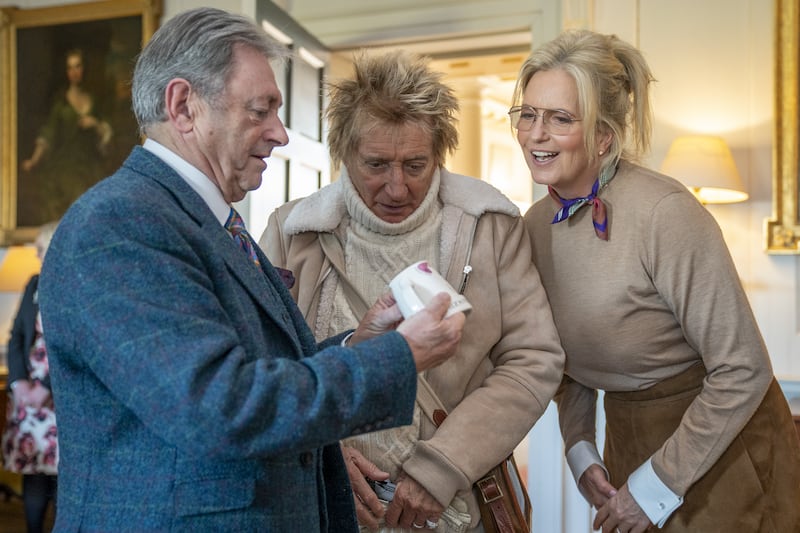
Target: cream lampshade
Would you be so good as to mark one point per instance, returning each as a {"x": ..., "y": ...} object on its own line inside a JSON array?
[
  {"x": 17, "y": 267},
  {"x": 705, "y": 165}
]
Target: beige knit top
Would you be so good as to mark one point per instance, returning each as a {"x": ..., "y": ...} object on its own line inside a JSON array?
[{"x": 643, "y": 306}]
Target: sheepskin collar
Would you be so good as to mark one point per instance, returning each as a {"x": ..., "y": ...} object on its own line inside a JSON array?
[{"x": 325, "y": 209}]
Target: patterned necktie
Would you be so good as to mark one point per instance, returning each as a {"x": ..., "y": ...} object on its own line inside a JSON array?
[
  {"x": 570, "y": 206},
  {"x": 235, "y": 225}
]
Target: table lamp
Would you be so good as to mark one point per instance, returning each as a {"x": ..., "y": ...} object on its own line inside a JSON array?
[
  {"x": 17, "y": 267},
  {"x": 705, "y": 165}
]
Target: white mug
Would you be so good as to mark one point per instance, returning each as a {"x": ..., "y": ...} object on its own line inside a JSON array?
[{"x": 417, "y": 284}]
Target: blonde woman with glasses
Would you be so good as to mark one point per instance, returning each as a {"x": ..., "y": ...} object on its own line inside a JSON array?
[{"x": 650, "y": 310}]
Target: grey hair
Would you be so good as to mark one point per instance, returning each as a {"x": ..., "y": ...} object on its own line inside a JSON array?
[
  {"x": 396, "y": 88},
  {"x": 613, "y": 81},
  {"x": 198, "y": 46}
]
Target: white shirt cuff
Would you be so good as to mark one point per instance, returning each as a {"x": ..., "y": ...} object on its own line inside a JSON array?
[
  {"x": 656, "y": 499},
  {"x": 581, "y": 456}
]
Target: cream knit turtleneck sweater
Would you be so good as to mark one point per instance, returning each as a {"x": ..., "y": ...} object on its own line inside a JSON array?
[{"x": 375, "y": 251}]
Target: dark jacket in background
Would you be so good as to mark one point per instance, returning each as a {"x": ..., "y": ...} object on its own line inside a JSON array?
[{"x": 23, "y": 333}]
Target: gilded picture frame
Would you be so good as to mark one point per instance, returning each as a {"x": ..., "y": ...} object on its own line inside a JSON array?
[
  {"x": 783, "y": 228},
  {"x": 41, "y": 50}
]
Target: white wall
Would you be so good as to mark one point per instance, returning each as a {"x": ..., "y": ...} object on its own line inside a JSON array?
[{"x": 717, "y": 77}]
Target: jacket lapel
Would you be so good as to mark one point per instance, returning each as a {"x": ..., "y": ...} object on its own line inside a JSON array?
[{"x": 263, "y": 285}]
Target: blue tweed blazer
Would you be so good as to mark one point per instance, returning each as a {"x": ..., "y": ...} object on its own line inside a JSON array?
[{"x": 190, "y": 393}]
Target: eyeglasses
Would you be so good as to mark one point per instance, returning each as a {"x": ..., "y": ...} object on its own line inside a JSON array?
[{"x": 556, "y": 121}]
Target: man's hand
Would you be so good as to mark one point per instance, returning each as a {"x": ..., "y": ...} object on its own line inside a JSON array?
[
  {"x": 412, "y": 504},
  {"x": 595, "y": 487},
  {"x": 621, "y": 514},
  {"x": 432, "y": 338},
  {"x": 368, "y": 508},
  {"x": 382, "y": 317}
]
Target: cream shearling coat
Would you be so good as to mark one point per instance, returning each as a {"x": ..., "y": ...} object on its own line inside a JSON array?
[{"x": 510, "y": 361}]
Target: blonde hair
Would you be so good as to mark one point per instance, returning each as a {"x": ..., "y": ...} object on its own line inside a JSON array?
[
  {"x": 395, "y": 88},
  {"x": 613, "y": 81}
]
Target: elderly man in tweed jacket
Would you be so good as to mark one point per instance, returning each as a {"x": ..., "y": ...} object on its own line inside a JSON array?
[{"x": 191, "y": 394}]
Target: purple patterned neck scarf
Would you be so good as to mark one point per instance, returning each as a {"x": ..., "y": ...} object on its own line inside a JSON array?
[{"x": 571, "y": 205}]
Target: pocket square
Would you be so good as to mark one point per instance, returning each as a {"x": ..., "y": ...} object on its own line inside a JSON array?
[{"x": 286, "y": 277}]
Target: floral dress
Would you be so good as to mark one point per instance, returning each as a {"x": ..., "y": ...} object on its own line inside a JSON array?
[{"x": 30, "y": 440}]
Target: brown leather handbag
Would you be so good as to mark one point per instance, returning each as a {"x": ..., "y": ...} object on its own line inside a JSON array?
[{"x": 503, "y": 501}]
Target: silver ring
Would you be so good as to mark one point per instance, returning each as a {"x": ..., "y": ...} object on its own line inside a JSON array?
[
  {"x": 430, "y": 524},
  {"x": 416, "y": 526}
]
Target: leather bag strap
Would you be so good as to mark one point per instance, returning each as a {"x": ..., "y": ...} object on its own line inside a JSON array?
[
  {"x": 489, "y": 490},
  {"x": 429, "y": 402},
  {"x": 489, "y": 485}
]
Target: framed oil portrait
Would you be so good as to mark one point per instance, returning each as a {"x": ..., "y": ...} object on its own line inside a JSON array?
[
  {"x": 65, "y": 108},
  {"x": 783, "y": 228}
]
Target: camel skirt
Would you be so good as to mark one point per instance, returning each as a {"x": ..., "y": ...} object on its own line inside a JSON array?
[{"x": 753, "y": 487}]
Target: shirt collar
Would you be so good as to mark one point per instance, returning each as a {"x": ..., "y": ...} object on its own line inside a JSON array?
[{"x": 198, "y": 181}]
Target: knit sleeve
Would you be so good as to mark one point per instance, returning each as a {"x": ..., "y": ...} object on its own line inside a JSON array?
[{"x": 693, "y": 272}]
